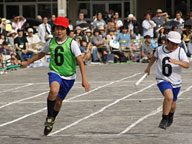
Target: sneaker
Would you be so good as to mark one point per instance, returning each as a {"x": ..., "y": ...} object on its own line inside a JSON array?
[
  {"x": 163, "y": 124},
  {"x": 49, "y": 125},
  {"x": 170, "y": 121}
]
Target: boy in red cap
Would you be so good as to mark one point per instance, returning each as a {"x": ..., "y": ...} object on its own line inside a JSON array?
[{"x": 64, "y": 53}]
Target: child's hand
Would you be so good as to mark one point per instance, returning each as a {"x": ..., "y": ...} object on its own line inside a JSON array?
[
  {"x": 147, "y": 71},
  {"x": 174, "y": 61},
  {"x": 86, "y": 85}
]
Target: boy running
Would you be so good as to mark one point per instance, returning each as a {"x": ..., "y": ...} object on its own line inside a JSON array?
[
  {"x": 64, "y": 53},
  {"x": 170, "y": 59}
]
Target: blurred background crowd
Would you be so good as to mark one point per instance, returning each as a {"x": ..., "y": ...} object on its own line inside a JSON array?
[{"x": 105, "y": 39}]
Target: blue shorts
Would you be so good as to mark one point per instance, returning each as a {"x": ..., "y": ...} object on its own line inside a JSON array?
[
  {"x": 166, "y": 85},
  {"x": 65, "y": 85}
]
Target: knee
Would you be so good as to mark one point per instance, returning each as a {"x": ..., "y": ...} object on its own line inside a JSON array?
[
  {"x": 169, "y": 98},
  {"x": 53, "y": 92}
]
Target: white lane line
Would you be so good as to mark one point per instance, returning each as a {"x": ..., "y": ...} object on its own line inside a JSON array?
[
  {"x": 18, "y": 101},
  {"x": 97, "y": 100},
  {"x": 8, "y": 90},
  {"x": 159, "y": 109},
  {"x": 20, "y": 118},
  {"x": 104, "y": 86},
  {"x": 101, "y": 110},
  {"x": 38, "y": 111}
]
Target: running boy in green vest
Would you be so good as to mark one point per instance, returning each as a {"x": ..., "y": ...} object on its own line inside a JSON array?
[{"x": 64, "y": 53}]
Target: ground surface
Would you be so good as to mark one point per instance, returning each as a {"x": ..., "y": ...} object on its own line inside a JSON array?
[{"x": 115, "y": 111}]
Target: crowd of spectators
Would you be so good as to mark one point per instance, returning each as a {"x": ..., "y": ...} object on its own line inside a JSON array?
[{"x": 104, "y": 39}]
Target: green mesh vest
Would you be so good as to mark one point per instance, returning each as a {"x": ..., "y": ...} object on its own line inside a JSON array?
[{"x": 62, "y": 59}]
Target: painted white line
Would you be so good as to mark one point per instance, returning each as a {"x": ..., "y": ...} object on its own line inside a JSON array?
[
  {"x": 104, "y": 86},
  {"x": 18, "y": 101},
  {"x": 101, "y": 110},
  {"x": 8, "y": 90},
  {"x": 38, "y": 111},
  {"x": 159, "y": 109},
  {"x": 88, "y": 101},
  {"x": 20, "y": 118}
]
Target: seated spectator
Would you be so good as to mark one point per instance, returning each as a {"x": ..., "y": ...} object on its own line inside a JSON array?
[
  {"x": 2, "y": 38},
  {"x": 78, "y": 39},
  {"x": 86, "y": 50},
  {"x": 88, "y": 36},
  {"x": 4, "y": 50},
  {"x": 187, "y": 33},
  {"x": 102, "y": 32},
  {"x": 99, "y": 43},
  {"x": 123, "y": 38},
  {"x": 146, "y": 50},
  {"x": 111, "y": 35},
  {"x": 14, "y": 60},
  {"x": 33, "y": 41},
  {"x": 72, "y": 34},
  {"x": 78, "y": 31},
  {"x": 21, "y": 46},
  {"x": 11, "y": 38},
  {"x": 81, "y": 19},
  {"x": 163, "y": 41}
]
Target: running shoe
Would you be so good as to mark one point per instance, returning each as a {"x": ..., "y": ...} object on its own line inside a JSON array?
[
  {"x": 170, "y": 121},
  {"x": 163, "y": 124},
  {"x": 49, "y": 125}
]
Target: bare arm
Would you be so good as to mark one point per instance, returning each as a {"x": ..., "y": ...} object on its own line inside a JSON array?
[
  {"x": 85, "y": 83},
  {"x": 180, "y": 63},
  {"x": 34, "y": 58},
  {"x": 147, "y": 70}
]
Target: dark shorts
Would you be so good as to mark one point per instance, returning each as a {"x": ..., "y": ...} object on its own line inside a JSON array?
[
  {"x": 65, "y": 85},
  {"x": 166, "y": 85}
]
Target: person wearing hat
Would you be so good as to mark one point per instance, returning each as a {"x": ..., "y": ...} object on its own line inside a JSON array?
[
  {"x": 33, "y": 40},
  {"x": 159, "y": 19},
  {"x": 12, "y": 36},
  {"x": 64, "y": 54},
  {"x": 170, "y": 59},
  {"x": 132, "y": 23},
  {"x": 146, "y": 50}
]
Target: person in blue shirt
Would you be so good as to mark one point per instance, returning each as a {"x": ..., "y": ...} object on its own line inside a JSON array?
[{"x": 124, "y": 40}]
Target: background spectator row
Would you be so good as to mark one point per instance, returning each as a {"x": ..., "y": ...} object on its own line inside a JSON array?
[{"x": 107, "y": 39}]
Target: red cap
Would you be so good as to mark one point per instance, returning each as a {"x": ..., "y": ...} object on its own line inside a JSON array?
[{"x": 61, "y": 21}]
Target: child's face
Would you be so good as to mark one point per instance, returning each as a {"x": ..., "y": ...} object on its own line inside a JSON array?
[{"x": 84, "y": 44}]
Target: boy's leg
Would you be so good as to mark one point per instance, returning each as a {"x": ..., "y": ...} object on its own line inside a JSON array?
[
  {"x": 57, "y": 107},
  {"x": 54, "y": 89},
  {"x": 168, "y": 94},
  {"x": 171, "y": 113}
]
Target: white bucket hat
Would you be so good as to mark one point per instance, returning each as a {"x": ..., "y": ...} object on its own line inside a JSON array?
[{"x": 174, "y": 37}]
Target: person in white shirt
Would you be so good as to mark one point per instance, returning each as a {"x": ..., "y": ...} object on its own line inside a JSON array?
[
  {"x": 18, "y": 22},
  {"x": 148, "y": 26},
  {"x": 44, "y": 30},
  {"x": 33, "y": 41},
  {"x": 170, "y": 60},
  {"x": 118, "y": 22}
]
